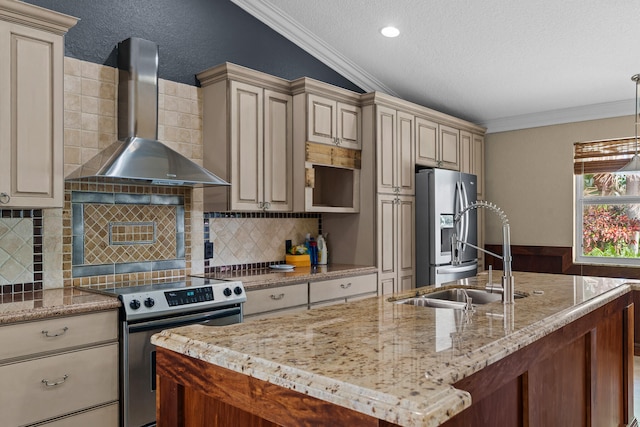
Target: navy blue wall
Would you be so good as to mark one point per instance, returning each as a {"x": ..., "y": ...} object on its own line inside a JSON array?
[{"x": 192, "y": 35}]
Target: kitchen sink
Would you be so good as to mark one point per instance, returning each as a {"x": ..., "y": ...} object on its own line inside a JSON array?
[{"x": 455, "y": 298}]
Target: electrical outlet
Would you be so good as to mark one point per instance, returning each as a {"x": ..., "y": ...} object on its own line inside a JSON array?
[{"x": 208, "y": 250}]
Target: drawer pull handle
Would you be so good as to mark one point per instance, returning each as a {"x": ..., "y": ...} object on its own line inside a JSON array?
[
  {"x": 345, "y": 286},
  {"x": 277, "y": 297},
  {"x": 48, "y": 383},
  {"x": 64, "y": 331},
  {"x": 4, "y": 198}
]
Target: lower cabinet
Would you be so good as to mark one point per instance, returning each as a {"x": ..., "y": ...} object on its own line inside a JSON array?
[
  {"x": 396, "y": 243},
  {"x": 58, "y": 371},
  {"x": 579, "y": 375},
  {"x": 342, "y": 290},
  {"x": 279, "y": 300},
  {"x": 275, "y": 300},
  {"x": 104, "y": 416}
]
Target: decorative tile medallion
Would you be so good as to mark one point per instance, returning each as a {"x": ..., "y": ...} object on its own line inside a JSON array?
[{"x": 126, "y": 233}]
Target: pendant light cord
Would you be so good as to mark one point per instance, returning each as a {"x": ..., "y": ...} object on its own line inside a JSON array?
[{"x": 636, "y": 78}]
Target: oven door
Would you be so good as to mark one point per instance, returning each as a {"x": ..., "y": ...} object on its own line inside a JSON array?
[{"x": 138, "y": 360}]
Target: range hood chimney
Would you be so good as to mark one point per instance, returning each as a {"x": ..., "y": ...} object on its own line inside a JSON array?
[{"x": 138, "y": 155}]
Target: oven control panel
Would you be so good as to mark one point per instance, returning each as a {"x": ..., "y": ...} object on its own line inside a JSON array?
[{"x": 189, "y": 296}]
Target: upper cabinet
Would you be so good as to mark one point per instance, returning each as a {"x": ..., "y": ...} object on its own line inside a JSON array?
[
  {"x": 247, "y": 131},
  {"x": 327, "y": 142},
  {"x": 31, "y": 107},
  {"x": 437, "y": 145},
  {"x": 333, "y": 122},
  {"x": 395, "y": 161}
]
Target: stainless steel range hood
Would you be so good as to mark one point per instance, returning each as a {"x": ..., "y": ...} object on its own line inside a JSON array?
[{"x": 138, "y": 155}]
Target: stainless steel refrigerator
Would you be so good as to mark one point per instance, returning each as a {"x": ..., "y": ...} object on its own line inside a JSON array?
[{"x": 440, "y": 194}]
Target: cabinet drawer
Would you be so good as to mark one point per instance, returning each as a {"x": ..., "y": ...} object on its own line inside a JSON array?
[
  {"x": 91, "y": 379},
  {"x": 342, "y": 288},
  {"x": 104, "y": 416},
  {"x": 276, "y": 298},
  {"x": 57, "y": 333}
]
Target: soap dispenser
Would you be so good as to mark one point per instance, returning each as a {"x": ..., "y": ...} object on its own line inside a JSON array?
[{"x": 322, "y": 250}]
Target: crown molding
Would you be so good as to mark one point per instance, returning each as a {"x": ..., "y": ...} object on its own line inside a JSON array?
[
  {"x": 36, "y": 16},
  {"x": 282, "y": 23},
  {"x": 604, "y": 110}
]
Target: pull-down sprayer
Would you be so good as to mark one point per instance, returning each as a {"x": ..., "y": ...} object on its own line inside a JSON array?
[{"x": 508, "y": 287}]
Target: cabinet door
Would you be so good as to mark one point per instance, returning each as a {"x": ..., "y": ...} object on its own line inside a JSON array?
[
  {"x": 481, "y": 255},
  {"x": 278, "y": 147},
  {"x": 406, "y": 243},
  {"x": 449, "y": 148},
  {"x": 386, "y": 157},
  {"x": 246, "y": 121},
  {"x": 478, "y": 162},
  {"x": 427, "y": 142},
  {"x": 466, "y": 152},
  {"x": 405, "y": 169},
  {"x": 348, "y": 125},
  {"x": 321, "y": 119},
  {"x": 31, "y": 121},
  {"x": 387, "y": 243}
]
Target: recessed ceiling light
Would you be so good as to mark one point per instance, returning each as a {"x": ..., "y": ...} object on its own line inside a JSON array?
[{"x": 390, "y": 32}]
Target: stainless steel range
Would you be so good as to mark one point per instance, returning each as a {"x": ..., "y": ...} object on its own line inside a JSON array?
[{"x": 149, "y": 309}]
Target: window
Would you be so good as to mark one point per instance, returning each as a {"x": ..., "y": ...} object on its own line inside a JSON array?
[{"x": 607, "y": 204}]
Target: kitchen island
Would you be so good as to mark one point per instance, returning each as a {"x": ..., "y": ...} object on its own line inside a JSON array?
[{"x": 560, "y": 356}]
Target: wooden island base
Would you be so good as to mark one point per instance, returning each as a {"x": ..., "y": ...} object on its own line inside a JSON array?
[
  {"x": 193, "y": 393},
  {"x": 579, "y": 375}
]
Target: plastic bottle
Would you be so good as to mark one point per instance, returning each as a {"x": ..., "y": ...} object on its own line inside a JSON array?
[
  {"x": 322, "y": 250},
  {"x": 313, "y": 253}
]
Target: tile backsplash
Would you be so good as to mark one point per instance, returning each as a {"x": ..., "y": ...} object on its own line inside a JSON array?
[
  {"x": 250, "y": 238},
  {"x": 37, "y": 246},
  {"x": 20, "y": 255}
]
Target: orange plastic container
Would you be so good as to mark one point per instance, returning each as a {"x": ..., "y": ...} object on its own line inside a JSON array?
[{"x": 298, "y": 260}]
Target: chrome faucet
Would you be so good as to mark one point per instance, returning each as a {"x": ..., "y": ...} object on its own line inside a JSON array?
[{"x": 508, "y": 287}]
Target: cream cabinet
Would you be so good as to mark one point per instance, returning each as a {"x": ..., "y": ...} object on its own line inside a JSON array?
[
  {"x": 247, "y": 133},
  {"x": 333, "y": 122},
  {"x": 395, "y": 151},
  {"x": 343, "y": 289},
  {"x": 395, "y": 243},
  {"x": 472, "y": 157},
  {"x": 327, "y": 142},
  {"x": 437, "y": 145},
  {"x": 31, "y": 105},
  {"x": 277, "y": 299},
  {"x": 472, "y": 161},
  {"x": 68, "y": 365}
]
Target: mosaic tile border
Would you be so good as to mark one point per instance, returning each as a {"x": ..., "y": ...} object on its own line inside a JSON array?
[
  {"x": 80, "y": 199},
  {"x": 18, "y": 292}
]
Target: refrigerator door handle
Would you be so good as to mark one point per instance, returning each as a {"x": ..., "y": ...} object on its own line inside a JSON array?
[
  {"x": 460, "y": 204},
  {"x": 466, "y": 203},
  {"x": 457, "y": 268}
]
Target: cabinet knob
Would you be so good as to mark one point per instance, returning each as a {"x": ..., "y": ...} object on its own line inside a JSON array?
[
  {"x": 345, "y": 285},
  {"x": 4, "y": 198},
  {"x": 277, "y": 297}
]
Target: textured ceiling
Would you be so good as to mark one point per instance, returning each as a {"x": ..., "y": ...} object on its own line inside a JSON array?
[{"x": 504, "y": 64}]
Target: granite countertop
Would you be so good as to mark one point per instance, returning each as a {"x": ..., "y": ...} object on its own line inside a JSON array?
[
  {"x": 267, "y": 277},
  {"x": 397, "y": 362},
  {"x": 55, "y": 302}
]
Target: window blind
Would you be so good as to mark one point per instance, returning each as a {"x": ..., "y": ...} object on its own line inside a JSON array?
[{"x": 607, "y": 155}]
